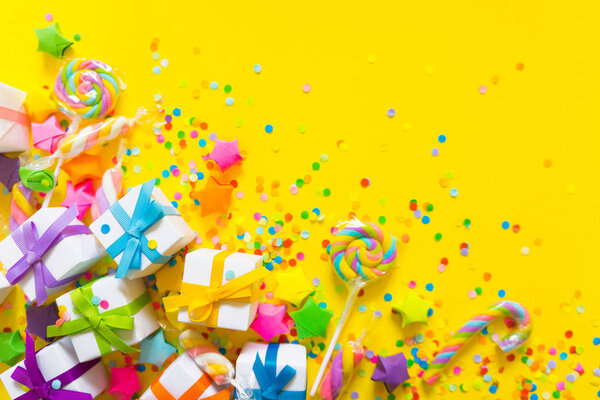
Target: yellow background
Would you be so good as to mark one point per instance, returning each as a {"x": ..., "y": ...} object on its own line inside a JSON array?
[{"x": 426, "y": 60}]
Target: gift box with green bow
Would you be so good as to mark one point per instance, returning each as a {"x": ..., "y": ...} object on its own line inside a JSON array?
[{"x": 106, "y": 315}]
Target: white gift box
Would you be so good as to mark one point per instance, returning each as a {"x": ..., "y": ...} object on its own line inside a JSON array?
[
  {"x": 117, "y": 292},
  {"x": 52, "y": 361},
  {"x": 14, "y": 136},
  {"x": 198, "y": 271},
  {"x": 5, "y": 288},
  {"x": 71, "y": 256},
  {"x": 181, "y": 375},
  {"x": 287, "y": 354},
  {"x": 171, "y": 233}
]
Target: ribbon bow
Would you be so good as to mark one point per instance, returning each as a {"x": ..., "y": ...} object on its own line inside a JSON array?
[
  {"x": 133, "y": 243},
  {"x": 40, "y": 388},
  {"x": 34, "y": 247},
  {"x": 201, "y": 301},
  {"x": 271, "y": 383},
  {"x": 102, "y": 324}
]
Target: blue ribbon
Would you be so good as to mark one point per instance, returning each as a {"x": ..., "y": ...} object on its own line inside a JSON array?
[
  {"x": 133, "y": 243},
  {"x": 271, "y": 383}
]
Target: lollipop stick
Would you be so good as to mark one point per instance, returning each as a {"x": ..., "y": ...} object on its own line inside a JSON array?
[
  {"x": 49, "y": 194},
  {"x": 354, "y": 288}
]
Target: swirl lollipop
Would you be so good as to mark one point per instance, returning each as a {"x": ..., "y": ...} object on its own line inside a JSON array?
[
  {"x": 360, "y": 253},
  {"x": 87, "y": 88}
]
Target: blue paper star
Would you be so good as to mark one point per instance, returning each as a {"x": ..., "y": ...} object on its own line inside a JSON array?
[{"x": 155, "y": 349}]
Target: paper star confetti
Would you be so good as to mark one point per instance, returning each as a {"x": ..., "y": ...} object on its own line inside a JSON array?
[
  {"x": 413, "y": 309},
  {"x": 47, "y": 134},
  {"x": 9, "y": 171},
  {"x": 224, "y": 154},
  {"x": 11, "y": 347},
  {"x": 82, "y": 167},
  {"x": 293, "y": 286},
  {"x": 82, "y": 195},
  {"x": 155, "y": 349},
  {"x": 39, "y": 318},
  {"x": 215, "y": 197},
  {"x": 39, "y": 105},
  {"x": 391, "y": 370},
  {"x": 311, "y": 320},
  {"x": 51, "y": 40},
  {"x": 124, "y": 382},
  {"x": 270, "y": 321}
]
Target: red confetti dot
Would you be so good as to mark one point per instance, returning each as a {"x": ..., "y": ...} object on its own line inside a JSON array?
[
  {"x": 444, "y": 261},
  {"x": 569, "y": 334},
  {"x": 516, "y": 228},
  {"x": 365, "y": 182},
  {"x": 204, "y": 126},
  {"x": 413, "y": 206}
]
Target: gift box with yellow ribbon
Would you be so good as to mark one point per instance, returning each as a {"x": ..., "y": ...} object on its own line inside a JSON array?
[
  {"x": 184, "y": 380},
  {"x": 219, "y": 289},
  {"x": 106, "y": 315}
]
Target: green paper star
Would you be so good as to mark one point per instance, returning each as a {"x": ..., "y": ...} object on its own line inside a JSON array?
[
  {"x": 413, "y": 309},
  {"x": 11, "y": 347},
  {"x": 311, "y": 320},
  {"x": 51, "y": 40}
]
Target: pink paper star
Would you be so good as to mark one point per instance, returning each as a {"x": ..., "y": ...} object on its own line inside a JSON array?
[
  {"x": 47, "y": 135},
  {"x": 270, "y": 321},
  {"x": 124, "y": 382},
  {"x": 224, "y": 154},
  {"x": 82, "y": 195}
]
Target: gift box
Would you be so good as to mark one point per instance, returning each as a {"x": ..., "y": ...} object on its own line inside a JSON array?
[
  {"x": 14, "y": 123},
  {"x": 48, "y": 251},
  {"x": 54, "y": 372},
  {"x": 273, "y": 371},
  {"x": 219, "y": 289},
  {"x": 5, "y": 288},
  {"x": 106, "y": 315},
  {"x": 184, "y": 380},
  {"x": 142, "y": 231}
]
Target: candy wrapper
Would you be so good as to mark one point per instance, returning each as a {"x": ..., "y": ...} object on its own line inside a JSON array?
[
  {"x": 272, "y": 371},
  {"x": 14, "y": 123},
  {"x": 342, "y": 370},
  {"x": 54, "y": 373},
  {"x": 104, "y": 316},
  {"x": 142, "y": 231},
  {"x": 48, "y": 251},
  {"x": 219, "y": 289},
  {"x": 184, "y": 379}
]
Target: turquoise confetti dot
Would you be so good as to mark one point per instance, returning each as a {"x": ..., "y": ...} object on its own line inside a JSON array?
[
  {"x": 257, "y": 68},
  {"x": 177, "y": 112},
  {"x": 453, "y": 192},
  {"x": 95, "y": 300},
  {"x": 269, "y": 128},
  {"x": 362, "y": 308},
  {"x": 202, "y": 142},
  {"x": 505, "y": 225},
  {"x": 56, "y": 384},
  {"x": 156, "y": 70},
  {"x": 229, "y": 101},
  {"x": 230, "y": 275},
  {"x": 214, "y": 85},
  {"x": 105, "y": 228},
  {"x": 387, "y": 297},
  {"x": 425, "y": 220},
  {"x": 429, "y": 287},
  {"x": 166, "y": 173},
  {"x": 501, "y": 293}
]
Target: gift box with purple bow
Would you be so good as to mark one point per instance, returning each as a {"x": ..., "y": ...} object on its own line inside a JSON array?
[
  {"x": 48, "y": 251},
  {"x": 54, "y": 373},
  {"x": 142, "y": 231}
]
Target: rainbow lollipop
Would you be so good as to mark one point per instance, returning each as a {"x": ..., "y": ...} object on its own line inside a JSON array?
[{"x": 360, "y": 253}]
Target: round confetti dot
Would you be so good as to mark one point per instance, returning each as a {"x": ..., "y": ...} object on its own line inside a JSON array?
[
  {"x": 229, "y": 101},
  {"x": 306, "y": 88},
  {"x": 391, "y": 113},
  {"x": 429, "y": 287},
  {"x": 365, "y": 182},
  {"x": 525, "y": 251},
  {"x": 505, "y": 224},
  {"x": 269, "y": 128},
  {"x": 49, "y": 17},
  {"x": 156, "y": 70},
  {"x": 56, "y": 384},
  {"x": 442, "y": 138},
  {"x": 227, "y": 89},
  {"x": 362, "y": 308},
  {"x": 152, "y": 244},
  {"x": 501, "y": 293},
  {"x": 95, "y": 300},
  {"x": 482, "y": 89},
  {"x": 387, "y": 297},
  {"x": 425, "y": 220},
  {"x": 257, "y": 68},
  {"x": 104, "y": 304},
  {"x": 105, "y": 229},
  {"x": 230, "y": 275},
  {"x": 435, "y": 152},
  {"x": 453, "y": 192},
  {"x": 214, "y": 85},
  {"x": 77, "y": 37}
]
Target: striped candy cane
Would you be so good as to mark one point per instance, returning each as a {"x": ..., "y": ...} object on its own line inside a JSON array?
[{"x": 508, "y": 343}]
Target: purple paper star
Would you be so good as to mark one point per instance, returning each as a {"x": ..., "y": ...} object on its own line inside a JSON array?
[{"x": 391, "y": 370}]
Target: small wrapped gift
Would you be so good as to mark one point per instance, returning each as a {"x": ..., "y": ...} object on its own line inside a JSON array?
[
  {"x": 54, "y": 373},
  {"x": 273, "y": 371},
  {"x": 184, "y": 380},
  {"x": 104, "y": 316},
  {"x": 14, "y": 123},
  {"x": 142, "y": 231},
  {"x": 5, "y": 288},
  {"x": 219, "y": 289},
  {"x": 50, "y": 250}
]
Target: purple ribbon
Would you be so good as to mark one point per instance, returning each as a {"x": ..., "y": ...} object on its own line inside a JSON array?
[
  {"x": 40, "y": 388},
  {"x": 34, "y": 247}
]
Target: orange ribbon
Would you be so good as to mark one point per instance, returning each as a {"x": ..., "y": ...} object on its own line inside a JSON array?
[
  {"x": 14, "y": 115},
  {"x": 193, "y": 393}
]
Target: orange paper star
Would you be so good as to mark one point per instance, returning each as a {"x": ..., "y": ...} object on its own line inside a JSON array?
[
  {"x": 85, "y": 166},
  {"x": 215, "y": 197}
]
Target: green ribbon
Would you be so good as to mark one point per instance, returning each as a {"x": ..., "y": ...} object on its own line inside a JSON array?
[
  {"x": 38, "y": 180},
  {"x": 102, "y": 324},
  {"x": 11, "y": 347}
]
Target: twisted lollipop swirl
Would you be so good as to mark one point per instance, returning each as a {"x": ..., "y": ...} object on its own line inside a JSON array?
[
  {"x": 88, "y": 88},
  {"x": 368, "y": 252}
]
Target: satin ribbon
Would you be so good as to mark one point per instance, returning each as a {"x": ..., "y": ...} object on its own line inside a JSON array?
[
  {"x": 14, "y": 115},
  {"x": 133, "y": 243},
  {"x": 35, "y": 247},
  {"x": 102, "y": 324},
  {"x": 202, "y": 302},
  {"x": 271, "y": 383},
  {"x": 40, "y": 388},
  {"x": 193, "y": 393}
]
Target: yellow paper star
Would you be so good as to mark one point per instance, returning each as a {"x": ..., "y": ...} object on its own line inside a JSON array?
[
  {"x": 293, "y": 286},
  {"x": 39, "y": 105},
  {"x": 413, "y": 309}
]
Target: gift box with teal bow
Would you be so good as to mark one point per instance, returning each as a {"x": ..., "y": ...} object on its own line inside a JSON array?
[
  {"x": 272, "y": 371},
  {"x": 142, "y": 231}
]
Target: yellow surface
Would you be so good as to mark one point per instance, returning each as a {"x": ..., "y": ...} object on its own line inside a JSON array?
[{"x": 426, "y": 60}]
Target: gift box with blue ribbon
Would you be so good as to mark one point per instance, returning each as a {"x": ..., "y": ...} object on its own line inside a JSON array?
[
  {"x": 272, "y": 371},
  {"x": 142, "y": 231}
]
